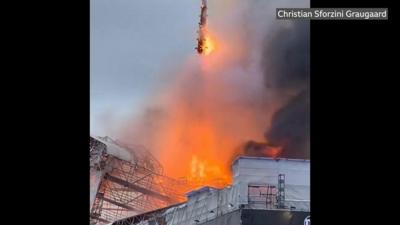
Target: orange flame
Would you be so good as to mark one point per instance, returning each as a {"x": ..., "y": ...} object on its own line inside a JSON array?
[
  {"x": 209, "y": 44},
  {"x": 272, "y": 151},
  {"x": 204, "y": 171},
  {"x": 204, "y": 126}
]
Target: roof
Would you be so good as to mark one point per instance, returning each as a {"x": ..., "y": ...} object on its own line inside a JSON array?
[
  {"x": 199, "y": 191},
  {"x": 144, "y": 216},
  {"x": 268, "y": 158}
]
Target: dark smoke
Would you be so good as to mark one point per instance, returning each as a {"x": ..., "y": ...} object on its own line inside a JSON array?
[
  {"x": 253, "y": 148},
  {"x": 286, "y": 62},
  {"x": 286, "y": 58},
  {"x": 290, "y": 127},
  {"x": 289, "y": 55}
]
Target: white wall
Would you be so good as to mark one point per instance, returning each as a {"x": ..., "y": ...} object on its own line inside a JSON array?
[{"x": 266, "y": 170}]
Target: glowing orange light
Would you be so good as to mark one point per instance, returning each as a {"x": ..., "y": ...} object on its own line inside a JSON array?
[
  {"x": 272, "y": 151},
  {"x": 206, "y": 172},
  {"x": 209, "y": 45}
]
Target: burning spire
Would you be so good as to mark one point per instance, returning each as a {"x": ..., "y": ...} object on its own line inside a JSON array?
[{"x": 204, "y": 44}]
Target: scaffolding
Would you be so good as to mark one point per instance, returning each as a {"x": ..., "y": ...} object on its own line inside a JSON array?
[
  {"x": 265, "y": 192},
  {"x": 127, "y": 188},
  {"x": 281, "y": 191},
  {"x": 263, "y": 196}
]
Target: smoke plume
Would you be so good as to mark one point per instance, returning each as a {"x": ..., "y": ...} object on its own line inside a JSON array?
[
  {"x": 249, "y": 96},
  {"x": 286, "y": 68}
]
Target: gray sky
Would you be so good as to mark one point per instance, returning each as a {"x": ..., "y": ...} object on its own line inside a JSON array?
[{"x": 131, "y": 43}]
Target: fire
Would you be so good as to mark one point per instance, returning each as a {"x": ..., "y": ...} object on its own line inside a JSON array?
[
  {"x": 272, "y": 151},
  {"x": 206, "y": 41},
  {"x": 197, "y": 169},
  {"x": 207, "y": 172},
  {"x": 205, "y": 117},
  {"x": 205, "y": 120},
  {"x": 209, "y": 44},
  {"x": 202, "y": 129},
  {"x": 194, "y": 148},
  {"x": 263, "y": 149}
]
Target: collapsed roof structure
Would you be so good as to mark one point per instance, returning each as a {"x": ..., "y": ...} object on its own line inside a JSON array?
[{"x": 126, "y": 181}]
